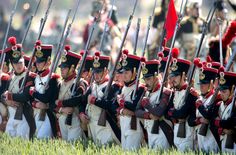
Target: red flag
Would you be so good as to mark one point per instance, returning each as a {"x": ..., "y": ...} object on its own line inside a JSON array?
[{"x": 171, "y": 20}]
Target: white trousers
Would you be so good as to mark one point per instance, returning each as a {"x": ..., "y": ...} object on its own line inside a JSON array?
[
  {"x": 70, "y": 133},
  {"x": 17, "y": 128},
  {"x": 130, "y": 139},
  {"x": 43, "y": 128},
  {"x": 184, "y": 144}
]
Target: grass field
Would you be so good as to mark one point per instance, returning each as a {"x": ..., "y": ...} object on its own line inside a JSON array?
[{"x": 15, "y": 146}]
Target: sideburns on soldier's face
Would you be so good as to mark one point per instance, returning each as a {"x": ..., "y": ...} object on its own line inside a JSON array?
[
  {"x": 98, "y": 76},
  {"x": 149, "y": 81}
]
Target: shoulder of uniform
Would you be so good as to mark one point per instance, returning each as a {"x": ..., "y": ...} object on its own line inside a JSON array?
[
  {"x": 194, "y": 92},
  {"x": 5, "y": 77},
  {"x": 218, "y": 103},
  {"x": 117, "y": 85},
  {"x": 55, "y": 76},
  {"x": 167, "y": 91},
  {"x": 32, "y": 74},
  {"x": 185, "y": 19},
  {"x": 141, "y": 85},
  {"x": 157, "y": 11}
]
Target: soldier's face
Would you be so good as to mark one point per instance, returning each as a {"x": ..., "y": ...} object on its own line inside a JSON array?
[
  {"x": 18, "y": 67},
  {"x": 64, "y": 72},
  {"x": 225, "y": 94},
  {"x": 40, "y": 65},
  {"x": 204, "y": 88},
  {"x": 118, "y": 77},
  {"x": 127, "y": 75},
  {"x": 98, "y": 76},
  {"x": 176, "y": 80},
  {"x": 149, "y": 81}
]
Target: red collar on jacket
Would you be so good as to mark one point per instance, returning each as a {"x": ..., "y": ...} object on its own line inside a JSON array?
[
  {"x": 72, "y": 76},
  {"x": 44, "y": 73}
]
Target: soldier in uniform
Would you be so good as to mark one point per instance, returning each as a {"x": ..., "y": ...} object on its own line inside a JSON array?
[
  {"x": 152, "y": 111},
  {"x": 225, "y": 122},
  {"x": 44, "y": 98},
  {"x": 182, "y": 112},
  {"x": 19, "y": 124},
  {"x": 101, "y": 134},
  {"x": 67, "y": 102},
  {"x": 207, "y": 136},
  {"x": 4, "y": 82},
  {"x": 189, "y": 31},
  {"x": 131, "y": 130}
]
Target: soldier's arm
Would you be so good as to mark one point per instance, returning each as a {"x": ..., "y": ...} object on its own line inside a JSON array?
[
  {"x": 160, "y": 109},
  {"x": 109, "y": 102},
  {"x": 49, "y": 93},
  {"x": 24, "y": 96},
  {"x": 75, "y": 100},
  {"x": 141, "y": 113},
  {"x": 132, "y": 105},
  {"x": 184, "y": 111}
]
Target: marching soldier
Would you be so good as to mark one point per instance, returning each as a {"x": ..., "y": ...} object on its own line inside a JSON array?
[
  {"x": 190, "y": 28},
  {"x": 101, "y": 134},
  {"x": 21, "y": 122},
  {"x": 181, "y": 111},
  {"x": 131, "y": 130},
  {"x": 4, "y": 82},
  {"x": 86, "y": 76},
  {"x": 207, "y": 137},
  {"x": 66, "y": 103},
  {"x": 44, "y": 98},
  {"x": 225, "y": 122},
  {"x": 152, "y": 111}
]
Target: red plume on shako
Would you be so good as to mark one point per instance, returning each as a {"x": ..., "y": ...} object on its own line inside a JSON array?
[
  {"x": 12, "y": 41},
  {"x": 67, "y": 47},
  {"x": 175, "y": 53}
]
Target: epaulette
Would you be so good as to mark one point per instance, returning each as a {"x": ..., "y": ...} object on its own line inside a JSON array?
[
  {"x": 5, "y": 77},
  {"x": 55, "y": 76},
  {"x": 32, "y": 74},
  {"x": 194, "y": 92}
]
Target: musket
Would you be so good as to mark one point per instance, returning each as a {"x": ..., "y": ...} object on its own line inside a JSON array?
[
  {"x": 229, "y": 138},
  {"x": 104, "y": 33},
  {"x": 43, "y": 111},
  {"x": 143, "y": 51},
  {"x": 68, "y": 120},
  {"x": 191, "y": 72},
  {"x": 183, "y": 6},
  {"x": 83, "y": 60},
  {"x": 220, "y": 22},
  {"x": 106, "y": 27},
  {"x": 193, "y": 67},
  {"x": 43, "y": 21},
  {"x": 57, "y": 51},
  {"x": 111, "y": 75},
  {"x": 29, "y": 24},
  {"x": 102, "y": 120},
  {"x": 19, "y": 109},
  {"x": 136, "y": 36},
  {"x": 3, "y": 55},
  {"x": 19, "y": 113}
]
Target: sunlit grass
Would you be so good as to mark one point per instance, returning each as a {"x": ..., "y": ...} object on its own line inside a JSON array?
[{"x": 15, "y": 146}]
